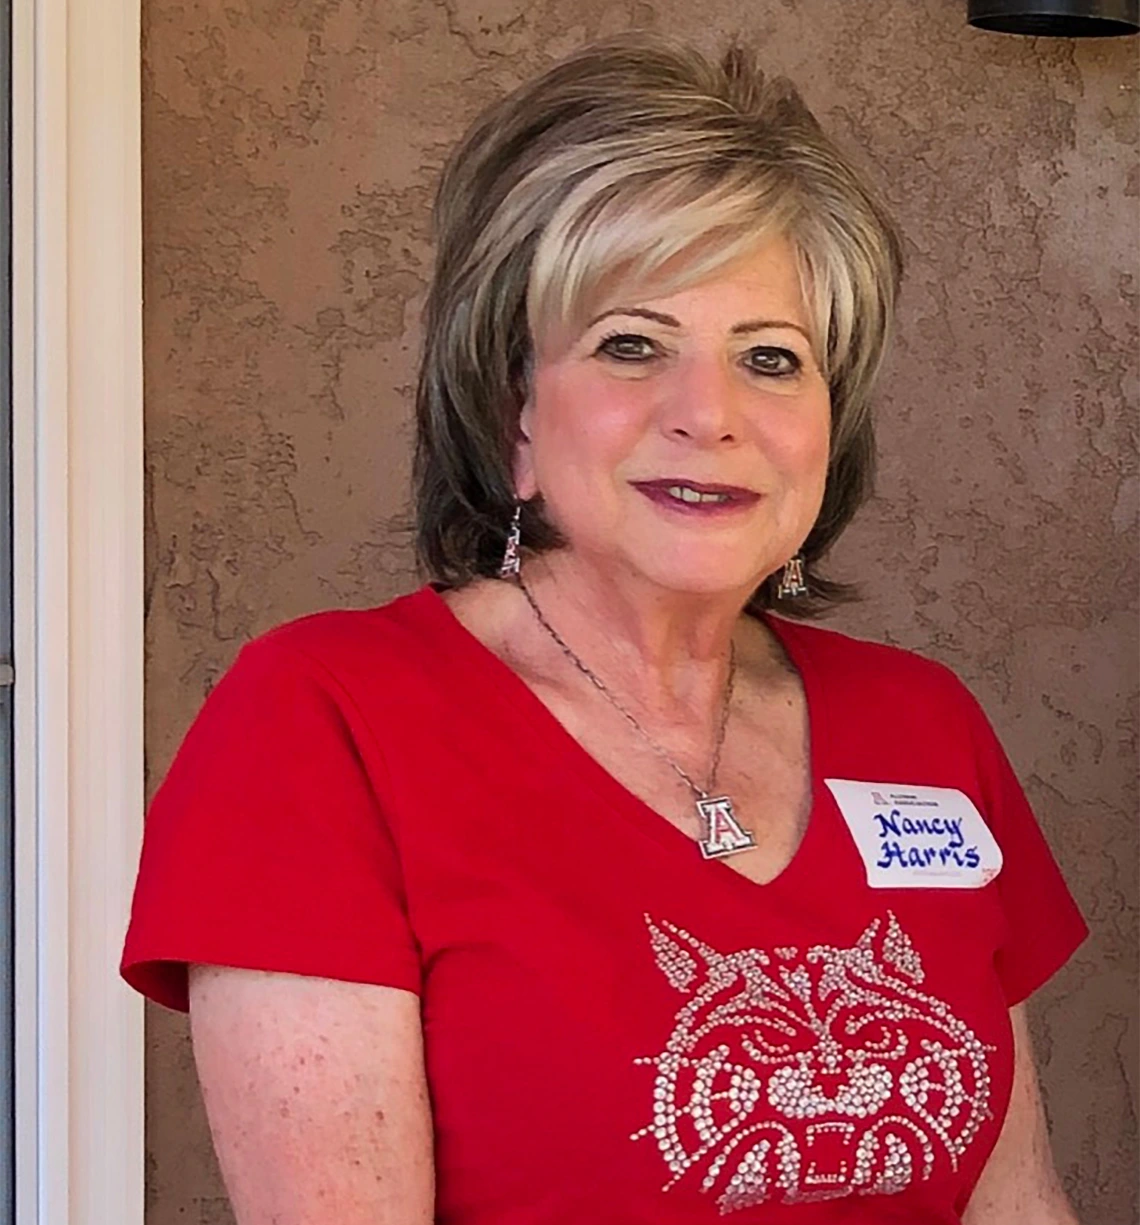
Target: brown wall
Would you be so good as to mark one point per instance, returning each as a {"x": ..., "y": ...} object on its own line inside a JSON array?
[{"x": 290, "y": 148}]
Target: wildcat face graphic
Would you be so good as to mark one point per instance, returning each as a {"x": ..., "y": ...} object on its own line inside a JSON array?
[{"x": 792, "y": 1076}]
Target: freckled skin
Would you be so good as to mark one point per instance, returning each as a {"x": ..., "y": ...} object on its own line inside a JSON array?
[{"x": 292, "y": 1070}]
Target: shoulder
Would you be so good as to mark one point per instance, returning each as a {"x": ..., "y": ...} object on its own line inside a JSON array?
[
  {"x": 363, "y": 670},
  {"x": 319, "y": 686},
  {"x": 345, "y": 645},
  {"x": 868, "y": 669}
]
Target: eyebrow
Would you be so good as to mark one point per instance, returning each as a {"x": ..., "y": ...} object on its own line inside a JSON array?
[{"x": 737, "y": 329}]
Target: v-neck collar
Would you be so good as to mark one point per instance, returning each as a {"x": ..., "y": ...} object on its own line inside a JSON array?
[{"x": 531, "y": 717}]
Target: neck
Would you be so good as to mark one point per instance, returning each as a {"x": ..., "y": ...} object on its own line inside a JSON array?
[{"x": 667, "y": 651}]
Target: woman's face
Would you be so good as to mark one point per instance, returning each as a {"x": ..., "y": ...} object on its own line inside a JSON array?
[{"x": 684, "y": 439}]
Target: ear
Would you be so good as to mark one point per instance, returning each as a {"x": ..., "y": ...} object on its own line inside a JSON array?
[
  {"x": 899, "y": 953},
  {"x": 526, "y": 484},
  {"x": 673, "y": 960},
  {"x": 891, "y": 946}
]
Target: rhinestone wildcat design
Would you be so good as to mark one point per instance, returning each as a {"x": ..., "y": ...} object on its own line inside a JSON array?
[{"x": 794, "y": 1077}]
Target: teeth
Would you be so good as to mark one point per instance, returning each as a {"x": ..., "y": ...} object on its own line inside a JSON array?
[{"x": 685, "y": 494}]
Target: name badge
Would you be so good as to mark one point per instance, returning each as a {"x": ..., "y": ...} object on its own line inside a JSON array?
[{"x": 917, "y": 837}]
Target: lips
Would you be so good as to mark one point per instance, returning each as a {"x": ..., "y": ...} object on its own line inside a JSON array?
[
  {"x": 698, "y": 501},
  {"x": 736, "y": 494}
]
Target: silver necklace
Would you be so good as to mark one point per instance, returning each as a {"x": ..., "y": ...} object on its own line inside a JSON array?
[{"x": 722, "y": 834}]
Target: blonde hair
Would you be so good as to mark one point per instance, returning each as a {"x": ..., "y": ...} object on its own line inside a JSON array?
[{"x": 633, "y": 164}]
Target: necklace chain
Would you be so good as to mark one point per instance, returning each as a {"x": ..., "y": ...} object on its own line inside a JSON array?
[{"x": 698, "y": 791}]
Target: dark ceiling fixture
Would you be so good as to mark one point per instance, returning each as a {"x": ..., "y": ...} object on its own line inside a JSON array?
[{"x": 1057, "y": 18}]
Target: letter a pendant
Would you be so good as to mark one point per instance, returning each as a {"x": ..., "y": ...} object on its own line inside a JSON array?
[{"x": 723, "y": 833}]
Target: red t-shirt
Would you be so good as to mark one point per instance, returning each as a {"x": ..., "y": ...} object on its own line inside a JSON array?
[{"x": 617, "y": 1032}]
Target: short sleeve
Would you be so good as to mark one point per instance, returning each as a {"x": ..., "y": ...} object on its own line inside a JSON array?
[
  {"x": 266, "y": 846},
  {"x": 1044, "y": 927}
]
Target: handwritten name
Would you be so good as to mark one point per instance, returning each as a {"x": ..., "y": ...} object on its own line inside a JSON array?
[
  {"x": 898, "y": 835},
  {"x": 936, "y": 827}
]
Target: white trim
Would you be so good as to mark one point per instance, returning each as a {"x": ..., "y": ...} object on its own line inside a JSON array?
[{"x": 78, "y": 529}]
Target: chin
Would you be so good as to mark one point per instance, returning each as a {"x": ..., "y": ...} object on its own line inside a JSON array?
[{"x": 703, "y": 577}]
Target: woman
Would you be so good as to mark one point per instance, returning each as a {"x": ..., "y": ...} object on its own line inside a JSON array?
[{"x": 576, "y": 886}]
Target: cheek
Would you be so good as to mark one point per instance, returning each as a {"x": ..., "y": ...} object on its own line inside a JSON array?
[
  {"x": 819, "y": 455},
  {"x": 581, "y": 425},
  {"x": 803, "y": 446}
]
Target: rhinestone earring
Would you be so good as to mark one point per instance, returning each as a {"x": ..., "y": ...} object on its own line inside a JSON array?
[
  {"x": 792, "y": 582},
  {"x": 511, "y": 560}
]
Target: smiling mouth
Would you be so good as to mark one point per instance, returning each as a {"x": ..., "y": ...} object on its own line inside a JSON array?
[{"x": 697, "y": 495}]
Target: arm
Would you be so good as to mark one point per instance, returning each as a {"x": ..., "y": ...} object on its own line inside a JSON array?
[
  {"x": 1019, "y": 1185},
  {"x": 317, "y": 1098}
]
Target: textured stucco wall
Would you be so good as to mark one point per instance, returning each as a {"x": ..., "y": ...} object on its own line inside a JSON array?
[{"x": 290, "y": 148}]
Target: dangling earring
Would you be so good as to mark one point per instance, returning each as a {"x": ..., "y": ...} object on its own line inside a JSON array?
[
  {"x": 792, "y": 582},
  {"x": 511, "y": 560}
]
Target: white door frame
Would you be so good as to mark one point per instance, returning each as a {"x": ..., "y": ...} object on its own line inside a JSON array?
[{"x": 78, "y": 578}]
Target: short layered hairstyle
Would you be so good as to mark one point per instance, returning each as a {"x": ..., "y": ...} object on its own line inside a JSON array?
[{"x": 634, "y": 165}]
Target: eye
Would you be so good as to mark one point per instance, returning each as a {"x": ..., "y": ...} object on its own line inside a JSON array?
[
  {"x": 780, "y": 363},
  {"x": 627, "y": 347}
]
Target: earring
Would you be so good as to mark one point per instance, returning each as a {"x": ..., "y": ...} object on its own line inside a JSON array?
[
  {"x": 510, "y": 564},
  {"x": 792, "y": 582}
]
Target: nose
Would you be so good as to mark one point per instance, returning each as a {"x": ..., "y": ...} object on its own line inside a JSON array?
[{"x": 703, "y": 404}]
